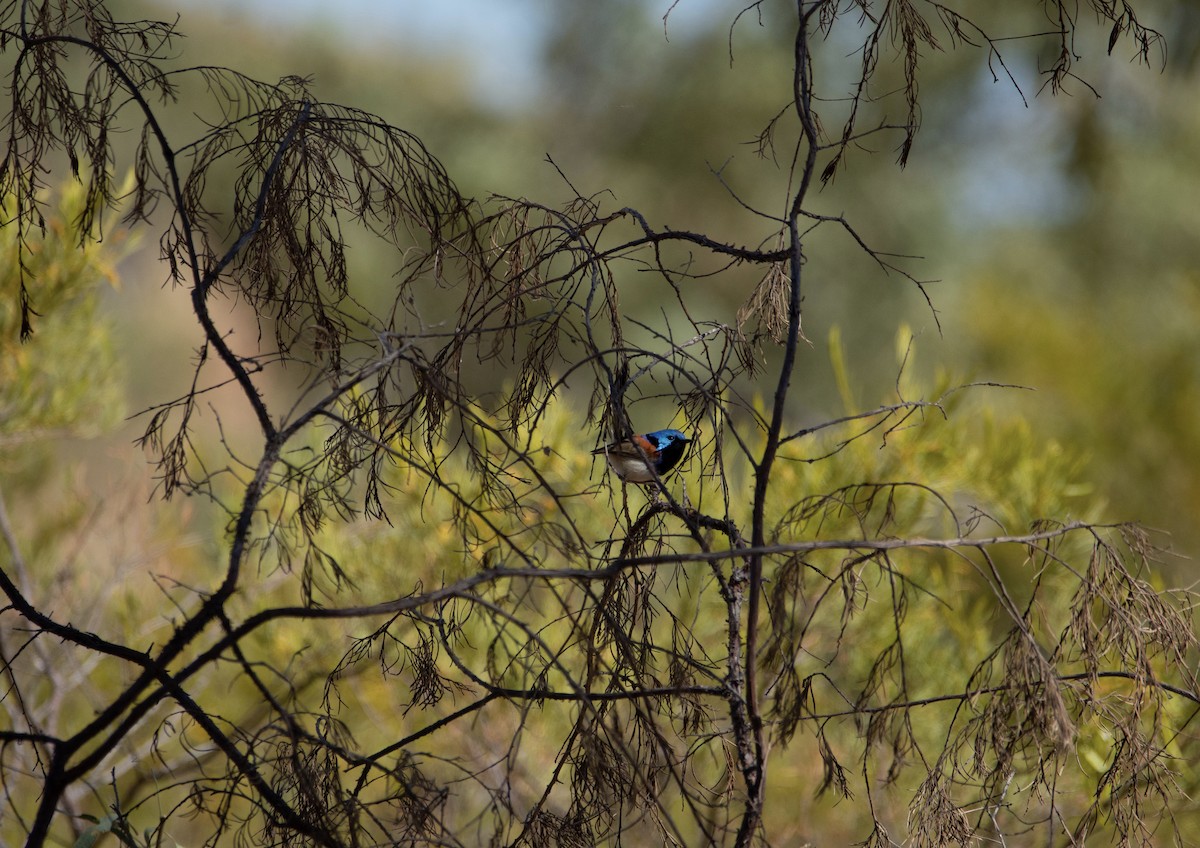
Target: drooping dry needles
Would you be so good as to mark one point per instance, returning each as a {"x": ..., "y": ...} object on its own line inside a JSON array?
[{"x": 566, "y": 690}]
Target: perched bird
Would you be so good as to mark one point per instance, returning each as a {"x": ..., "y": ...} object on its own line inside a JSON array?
[{"x": 640, "y": 459}]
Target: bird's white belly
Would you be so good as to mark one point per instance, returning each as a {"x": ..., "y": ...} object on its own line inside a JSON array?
[{"x": 632, "y": 469}]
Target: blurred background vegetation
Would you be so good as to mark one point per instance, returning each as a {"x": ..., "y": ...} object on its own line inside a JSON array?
[{"x": 1062, "y": 232}]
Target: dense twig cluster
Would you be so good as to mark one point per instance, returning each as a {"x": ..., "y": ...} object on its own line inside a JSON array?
[{"x": 572, "y": 690}]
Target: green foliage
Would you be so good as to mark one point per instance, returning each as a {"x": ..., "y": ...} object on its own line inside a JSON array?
[
  {"x": 1116, "y": 365},
  {"x": 78, "y": 530},
  {"x": 391, "y": 683},
  {"x": 65, "y": 380},
  {"x": 983, "y": 473},
  {"x": 115, "y": 824}
]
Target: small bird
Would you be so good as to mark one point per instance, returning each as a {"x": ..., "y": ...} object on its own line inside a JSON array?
[{"x": 642, "y": 459}]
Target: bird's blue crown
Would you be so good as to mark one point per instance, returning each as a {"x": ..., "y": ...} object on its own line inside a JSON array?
[{"x": 662, "y": 438}]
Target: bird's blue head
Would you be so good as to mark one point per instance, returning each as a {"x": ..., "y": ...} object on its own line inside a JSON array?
[
  {"x": 670, "y": 445},
  {"x": 664, "y": 438}
]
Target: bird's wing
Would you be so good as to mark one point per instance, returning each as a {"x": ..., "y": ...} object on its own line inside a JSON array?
[{"x": 635, "y": 447}]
